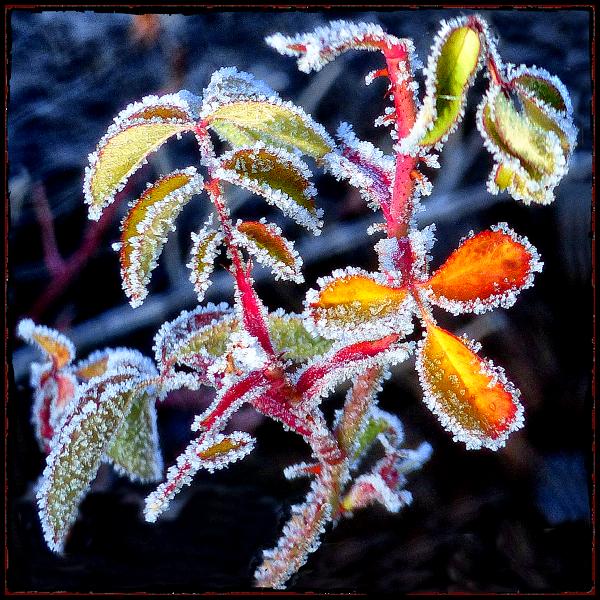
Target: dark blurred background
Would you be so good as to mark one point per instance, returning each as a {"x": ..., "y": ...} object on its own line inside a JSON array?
[{"x": 517, "y": 520}]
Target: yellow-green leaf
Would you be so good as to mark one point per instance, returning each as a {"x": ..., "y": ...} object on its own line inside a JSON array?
[
  {"x": 135, "y": 450},
  {"x": 119, "y": 154},
  {"x": 78, "y": 448},
  {"x": 455, "y": 60},
  {"x": 272, "y": 121},
  {"x": 289, "y": 335}
]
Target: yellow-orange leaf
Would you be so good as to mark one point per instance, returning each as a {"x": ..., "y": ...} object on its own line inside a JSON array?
[
  {"x": 471, "y": 397},
  {"x": 356, "y": 304},
  {"x": 485, "y": 271},
  {"x": 56, "y": 346},
  {"x": 145, "y": 227}
]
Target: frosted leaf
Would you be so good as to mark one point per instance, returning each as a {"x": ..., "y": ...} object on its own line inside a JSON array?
[
  {"x": 291, "y": 337},
  {"x": 530, "y": 159},
  {"x": 353, "y": 304},
  {"x": 345, "y": 362},
  {"x": 205, "y": 249},
  {"x": 269, "y": 120},
  {"x": 352, "y": 419},
  {"x": 171, "y": 333},
  {"x": 487, "y": 270},
  {"x": 179, "y": 107},
  {"x": 324, "y": 44},
  {"x": 471, "y": 397},
  {"x": 210, "y": 452},
  {"x": 147, "y": 225},
  {"x": 266, "y": 242},
  {"x": 55, "y": 346},
  {"x": 138, "y": 131},
  {"x": 364, "y": 166},
  {"x": 89, "y": 426},
  {"x": 280, "y": 177},
  {"x": 301, "y": 534},
  {"x": 454, "y": 59},
  {"x": 53, "y": 391},
  {"x": 135, "y": 450},
  {"x": 228, "y": 85}
]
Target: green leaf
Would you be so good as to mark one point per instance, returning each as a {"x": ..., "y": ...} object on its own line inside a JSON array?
[
  {"x": 455, "y": 59},
  {"x": 78, "y": 448},
  {"x": 273, "y": 122},
  {"x": 135, "y": 450},
  {"x": 289, "y": 335}
]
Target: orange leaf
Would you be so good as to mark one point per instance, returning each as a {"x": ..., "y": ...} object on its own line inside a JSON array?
[
  {"x": 356, "y": 304},
  {"x": 485, "y": 271},
  {"x": 471, "y": 397}
]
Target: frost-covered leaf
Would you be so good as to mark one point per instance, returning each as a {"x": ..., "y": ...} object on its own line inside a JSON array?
[
  {"x": 487, "y": 270},
  {"x": 270, "y": 120},
  {"x": 321, "y": 46},
  {"x": 228, "y": 84},
  {"x": 453, "y": 63},
  {"x": 278, "y": 176},
  {"x": 354, "y": 304},
  {"x": 377, "y": 422},
  {"x": 530, "y": 147},
  {"x": 291, "y": 337},
  {"x": 89, "y": 426},
  {"x": 205, "y": 249},
  {"x": 146, "y": 226},
  {"x": 55, "y": 346},
  {"x": 343, "y": 362},
  {"x": 203, "y": 331},
  {"x": 135, "y": 450},
  {"x": 138, "y": 131},
  {"x": 301, "y": 534},
  {"x": 205, "y": 452},
  {"x": 266, "y": 242},
  {"x": 364, "y": 166},
  {"x": 251, "y": 311},
  {"x": 471, "y": 397},
  {"x": 352, "y": 421},
  {"x": 53, "y": 391}
]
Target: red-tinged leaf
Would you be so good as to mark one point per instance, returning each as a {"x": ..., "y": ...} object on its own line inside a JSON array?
[
  {"x": 253, "y": 313},
  {"x": 353, "y": 304},
  {"x": 265, "y": 242},
  {"x": 352, "y": 420},
  {"x": 210, "y": 452},
  {"x": 321, "y": 46},
  {"x": 471, "y": 397},
  {"x": 55, "y": 346},
  {"x": 53, "y": 390},
  {"x": 485, "y": 271},
  {"x": 175, "y": 335},
  {"x": 320, "y": 377},
  {"x": 146, "y": 226},
  {"x": 364, "y": 166}
]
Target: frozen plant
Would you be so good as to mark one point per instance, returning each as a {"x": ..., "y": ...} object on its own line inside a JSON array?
[{"x": 356, "y": 324}]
